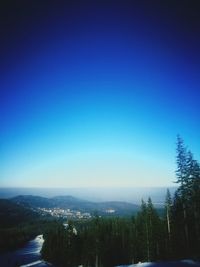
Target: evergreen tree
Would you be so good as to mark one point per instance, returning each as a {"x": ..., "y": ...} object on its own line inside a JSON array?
[
  {"x": 154, "y": 227},
  {"x": 186, "y": 209},
  {"x": 181, "y": 160},
  {"x": 143, "y": 243},
  {"x": 182, "y": 179},
  {"x": 194, "y": 180},
  {"x": 168, "y": 223}
]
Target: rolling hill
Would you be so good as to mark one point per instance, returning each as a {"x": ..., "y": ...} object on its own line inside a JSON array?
[{"x": 12, "y": 214}]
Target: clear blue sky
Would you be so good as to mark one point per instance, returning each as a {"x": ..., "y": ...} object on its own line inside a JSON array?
[{"x": 94, "y": 94}]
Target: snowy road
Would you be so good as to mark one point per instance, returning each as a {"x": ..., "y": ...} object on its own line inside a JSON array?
[{"x": 29, "y": 255}]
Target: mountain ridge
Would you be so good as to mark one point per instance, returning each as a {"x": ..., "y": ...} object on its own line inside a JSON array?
[{"x": 100, "y": 194}]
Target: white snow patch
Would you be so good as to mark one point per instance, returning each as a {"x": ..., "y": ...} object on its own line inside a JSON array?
[
  {"x": 39, "y": 239},
  {"x": 140, "y": 264},
  {"x": 191, "y": 262},
  {"x": 31, "y": 264}
]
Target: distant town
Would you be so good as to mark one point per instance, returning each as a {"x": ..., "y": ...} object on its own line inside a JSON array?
[
  {"x": 68, "y": 213},
  {"x": 65, "y": 213}
]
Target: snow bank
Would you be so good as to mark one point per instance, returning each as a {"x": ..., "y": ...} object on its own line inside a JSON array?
[
  {"x": 139, "y": 264},
  {"x": 142, "y": 264},
  {"x": 190, "y": 262},
  {"x": 31, "y": 264},
  {"x": 184, "y": 262}
]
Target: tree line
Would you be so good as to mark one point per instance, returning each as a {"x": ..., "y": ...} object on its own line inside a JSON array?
[{"x": 148, "y": 236}]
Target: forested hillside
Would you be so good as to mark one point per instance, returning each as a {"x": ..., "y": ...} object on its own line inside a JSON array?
[
  {"x": 18, "y": 224},
  {"x": 12, "y": 214}
]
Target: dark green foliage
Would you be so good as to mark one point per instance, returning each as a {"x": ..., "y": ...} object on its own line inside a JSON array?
[
  {"x": 14, "y": 237},
  {"x": 186, "y": 207},
  {"x": 107, "y": 241},
  {"x": 12, "y": 214},
  {"x": 148, "y": 233},
  {"x": 18, "y": 224},
  {"x": 168, "y": 226},
  {"x": 62, "y": 245},
  {"x": 13, "y": 231}
]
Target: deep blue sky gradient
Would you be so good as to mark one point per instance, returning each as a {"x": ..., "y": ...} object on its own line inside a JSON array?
[{"x": 94, "y": 93}]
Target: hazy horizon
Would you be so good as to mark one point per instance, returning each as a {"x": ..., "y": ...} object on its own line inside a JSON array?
[{"x": 96, "y": 194}]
